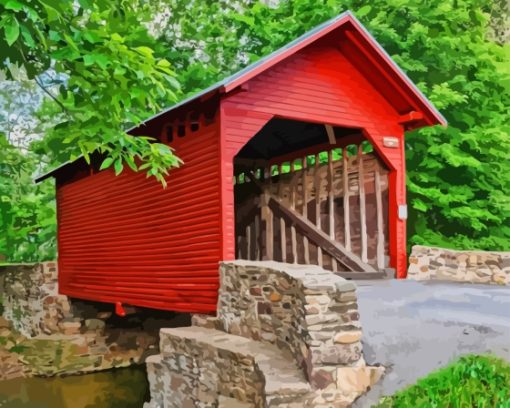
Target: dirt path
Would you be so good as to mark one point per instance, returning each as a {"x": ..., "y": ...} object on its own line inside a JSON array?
[{"x": 414, "y": 327}]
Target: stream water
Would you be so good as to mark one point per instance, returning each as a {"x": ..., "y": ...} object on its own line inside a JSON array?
[{"x": 118, "y": 388}]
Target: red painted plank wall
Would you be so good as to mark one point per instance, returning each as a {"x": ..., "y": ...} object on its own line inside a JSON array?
[
  {"x": 317, "y": 84},
  {"x": 126, "y": 239}
]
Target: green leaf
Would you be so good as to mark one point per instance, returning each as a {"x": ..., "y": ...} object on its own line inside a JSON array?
[
  {"x": 163, "y": 63},
  {"x": 54, "y": 36},
  {"x": 363, "y": 11},
  {"x": 41, "y": 36},
  {"x": 145, "y": 51},
  {"x": 118, "y": 166},
  {"x": 85, "y": 4},
  {"x": 65, "y": 53},
  {"x": 419, "y": 205},
  {"x": 86, "y": 155},
  {"x": 95, "y": 58},
  {"x": 129, "y": 160},
  {"x": 11, "y": 29},
  {"x": 116, "y": 37},
  {"x": 14, "y": 5},
  {"x": 71, "y": 43},
  {"x": 106, "y": 163},
  {"x": 27, "y": 36}
]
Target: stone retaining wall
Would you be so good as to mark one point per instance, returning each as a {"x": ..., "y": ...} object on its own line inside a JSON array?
[
  {"x": 302, "y": 311},
  {"x": 39, "y": 323},
  {"x": 192, "y": 381},
  {"x": 303, "y": 308},
  {"x": 31, "y": 301},
  {"x": 429, "y": 263},
  {"x": 197, "y": 366}
]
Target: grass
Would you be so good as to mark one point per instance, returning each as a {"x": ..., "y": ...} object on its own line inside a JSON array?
[{"x": 471, "y": 381}]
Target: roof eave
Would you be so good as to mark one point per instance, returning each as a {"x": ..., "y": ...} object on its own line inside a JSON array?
[
  {"x": 50, "y": 173},
  {"x": 431, "y": 114}
]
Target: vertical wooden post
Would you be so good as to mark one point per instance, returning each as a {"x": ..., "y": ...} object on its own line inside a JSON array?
[
  {"x": 317, "y": 180},
  {"x": 347, "y": 221},
  {"x": 362, "y": 205},
  {"x": 397, "y": 196},
  {"x": 257, "y": 238},
  {"x": 267, "y": 217},
  {"x": 248, "y": 241},
  {"x": 293, "y": 206},
  {"x": 283, "y": 238},
  {"x": 331, "y": 204},
  {"x": 379, "y": 207},
  {"x": 305, "y": 210}
]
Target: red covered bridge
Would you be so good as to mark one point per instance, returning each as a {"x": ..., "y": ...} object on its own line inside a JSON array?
[{"x": 297, "y": 158}]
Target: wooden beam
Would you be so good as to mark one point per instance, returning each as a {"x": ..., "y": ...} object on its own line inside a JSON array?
[
  {"x": 249, "y": 164},
  {"x": 362, "y": 275},
  {"x": 331, "y": 204},
  {"x": 257, "y": 238},
  {"x": 411, "y": 117},
  {"x": 248, "y": 242},
  {"x": 267, "y": 217},
  {"x": 305, "y": 210},
  {"x": 380, "y": 227},
  {"x": 239, "y": 249},
  {"x": 347, "y": 222},
  {"x": 362, "y": 205},
  {"x": 331, "y": 134},
  {"x": 283, "y": 237},
  {"x": 321, "y": 239},
  {"x": 244, "y": 218},
  {"x": 355, "y": 138},
  {"x": 293, "y": 206},
  {"x": 317, "y": 182}
]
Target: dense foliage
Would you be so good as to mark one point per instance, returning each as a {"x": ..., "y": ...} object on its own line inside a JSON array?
[
  {"x": 109, "y": 70},
  {"x": 101, "y": 72},
  {"x": 112, "y": 75},
  {"x": 458, "y": 177},
  {"x": 27, "y": 211},
  {"x": 472, "y": 381}
]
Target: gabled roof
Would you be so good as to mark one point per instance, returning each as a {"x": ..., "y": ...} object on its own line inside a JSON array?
[
  {"x": 431, "y": 114},
  {"x": 233, "y": 81}
]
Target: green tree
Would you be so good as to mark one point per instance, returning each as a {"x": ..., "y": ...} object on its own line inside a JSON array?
[
  {"x": 458, "y": 177},
  {"x": 115, "y": 75},
  {"x": 27, "y": 211}
]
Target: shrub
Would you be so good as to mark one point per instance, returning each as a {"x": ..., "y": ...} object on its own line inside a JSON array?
[{"x": 472, "y": 381}]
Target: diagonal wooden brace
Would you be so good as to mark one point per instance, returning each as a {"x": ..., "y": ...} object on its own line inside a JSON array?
[{"x": 318, "y": 237}]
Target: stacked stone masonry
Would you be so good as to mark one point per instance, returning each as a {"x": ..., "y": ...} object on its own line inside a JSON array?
[
  {"x": 42, "y": 322},
  {"x": 31, "y": 300},
  {"x": 429, "y": 263},
  {"x": 205, "y": 363},
  {"x": 284, "y": 336}
]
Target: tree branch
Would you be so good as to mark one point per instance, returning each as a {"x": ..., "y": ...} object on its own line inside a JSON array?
[{"x": 37, "y": 81}]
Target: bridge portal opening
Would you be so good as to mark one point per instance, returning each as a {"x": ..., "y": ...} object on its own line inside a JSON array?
[{"x": 310, "y": 193}]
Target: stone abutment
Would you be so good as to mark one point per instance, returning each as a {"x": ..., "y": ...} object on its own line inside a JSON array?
[{"x": 284, "y": 336}]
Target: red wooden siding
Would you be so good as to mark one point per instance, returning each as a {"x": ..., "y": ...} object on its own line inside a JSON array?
[
  {"x": 234, "y": 130},
  {"x": 126, "y": 239},
  {"x": 317, "y": 84}
]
